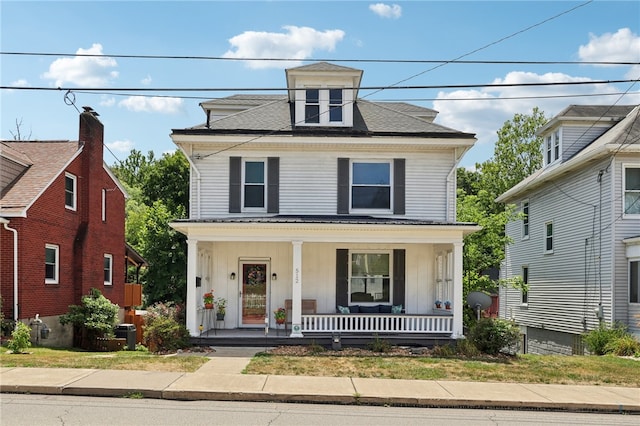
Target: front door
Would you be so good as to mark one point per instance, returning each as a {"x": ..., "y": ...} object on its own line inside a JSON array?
[{"x": 253, "y": 293}]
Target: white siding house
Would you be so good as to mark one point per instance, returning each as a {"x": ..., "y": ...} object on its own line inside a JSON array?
[
  {"x": 320, "y": 196},
  {"x": 578, "y": 245}
]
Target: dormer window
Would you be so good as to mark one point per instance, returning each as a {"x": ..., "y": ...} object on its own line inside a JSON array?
[
  {"x": 552, "y": 148},
  {"x": 323, "y": 106}
]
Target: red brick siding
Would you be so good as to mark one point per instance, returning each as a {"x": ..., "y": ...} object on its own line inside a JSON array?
[{"x": 49, "y": 222}]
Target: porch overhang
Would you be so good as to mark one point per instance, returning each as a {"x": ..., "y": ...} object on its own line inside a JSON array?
[{"x": 344, "y": 229}]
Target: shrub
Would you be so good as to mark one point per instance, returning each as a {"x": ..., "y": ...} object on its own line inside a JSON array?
[
  {"x": 492, "y": 335},
  {"x": 163, "y": 331},
  {"x": 379, "y": 345},
  {"x": 598, "y": 339},
  {"x": 20, "y": 338},
  {"x": 97, "y": 316},
  {"x": 623, "y": 346}
]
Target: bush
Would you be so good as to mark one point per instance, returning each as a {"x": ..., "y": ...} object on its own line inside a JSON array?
[
  {"x": 20, "y": 338},
  {"x": 492, "y": 335},
  {"x": 598, "y": 339},
  {"x": 162, "y": 331},
  {"x": 623, "y": 346},
  {"x": 379, "y": 345},
  {"x": 97, "y": 316}
]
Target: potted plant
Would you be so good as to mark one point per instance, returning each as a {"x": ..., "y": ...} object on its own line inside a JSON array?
[
  {"x": 447, "y": 304},
  {"x": 208, "y": 300},
  {"x": 280, "y": 315},
  {"x": 221, "y": 306},
  {"x": 438, "y": 304}
]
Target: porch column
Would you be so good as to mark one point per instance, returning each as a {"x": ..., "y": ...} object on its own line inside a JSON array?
[
  {"x": 296, "y": 291},
  {"x": 458, "y": 301},
  {"x": 192, "y": 309}
]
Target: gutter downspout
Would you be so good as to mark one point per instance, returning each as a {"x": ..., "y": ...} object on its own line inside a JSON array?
[
  {"x": 194, "y": 211},
  {"x": 5, "y": 222}
]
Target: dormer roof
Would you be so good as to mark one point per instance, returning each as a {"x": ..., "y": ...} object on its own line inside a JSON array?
[{"x": 324, "y": 70}]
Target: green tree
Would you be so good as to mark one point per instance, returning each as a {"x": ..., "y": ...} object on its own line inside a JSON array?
[
  {"x": 97, "y": 316},
  {"x": 517, "y": 154},
  {"x": 158, "y": 194}
]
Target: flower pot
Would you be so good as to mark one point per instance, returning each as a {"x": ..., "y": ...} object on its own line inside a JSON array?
[
  {"x": 208, "y": 305},
  {"x": 280, "y": 321},
  {"x": 220, "y": 317},
  {"x": 438, "y": 306}
]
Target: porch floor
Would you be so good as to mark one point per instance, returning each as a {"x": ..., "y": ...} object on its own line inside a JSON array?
[{"x": 256, "y": 337}]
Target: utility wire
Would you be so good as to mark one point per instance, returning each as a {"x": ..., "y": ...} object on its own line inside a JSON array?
[{"x": 333, "y": 60}]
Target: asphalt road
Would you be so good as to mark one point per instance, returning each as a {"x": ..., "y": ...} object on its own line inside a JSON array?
[{"x": 42, "y": 410}]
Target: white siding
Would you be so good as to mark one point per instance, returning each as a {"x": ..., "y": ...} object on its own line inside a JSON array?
[
  {"x": 564, "y": 286},
  {"x": 308, "y": 182},
  {"x": 575, "y": 138}
]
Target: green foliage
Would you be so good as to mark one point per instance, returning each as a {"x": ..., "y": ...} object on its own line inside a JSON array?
[
  {"x": 492, "y": 335},
  {"x": 623, "y": 346},
  {"x": 159, "y": 194},
  {"x": 163, "y": 330},
  {"x": 316, "y": 348},
  {"x": 97, "y": 315},
  {"x": 601, "y": 340},
  {"x": 379, "y": 345},
  {"x": 20, "y": 338}
]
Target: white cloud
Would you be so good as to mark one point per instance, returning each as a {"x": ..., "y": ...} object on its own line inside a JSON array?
[
  {"x": 622, "y": 46},
  {"x": 152, "y": 104},
  {"x": 120, "y": 146},
  {"x": 295, "y": 43},
  {"x": 384, "y": 10},
  {"x": 20, "y": 83},
  {"x": 107, "y": 101},
  {"x": 484, "y": 111},
  {"x": 147, "y": 80},
  {"x": 84, "y": 71}
]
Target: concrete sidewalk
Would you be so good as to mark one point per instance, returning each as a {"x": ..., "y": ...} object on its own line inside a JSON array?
[{"x": 221, "y": 379}]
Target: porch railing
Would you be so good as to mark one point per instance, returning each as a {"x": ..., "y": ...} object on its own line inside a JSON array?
[{"x": 377, "y": 323}]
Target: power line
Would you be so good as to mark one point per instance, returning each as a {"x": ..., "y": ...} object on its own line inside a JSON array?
[
  {"x": 333, "y": 60},
  {"x": 283, "y": 89}
]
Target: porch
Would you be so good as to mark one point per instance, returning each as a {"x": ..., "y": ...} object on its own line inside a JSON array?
[{"x": 256, "y": 337}]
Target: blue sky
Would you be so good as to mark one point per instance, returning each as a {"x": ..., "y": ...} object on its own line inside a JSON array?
[{"x": 378, "y": 38}]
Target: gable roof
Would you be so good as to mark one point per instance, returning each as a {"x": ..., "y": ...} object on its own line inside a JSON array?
[
  {"x": 623, "y": 136},
  {"x": 591, "y": 113},
  {"x": 274, "y": 114},
  {"x": 46, "y": 160}
]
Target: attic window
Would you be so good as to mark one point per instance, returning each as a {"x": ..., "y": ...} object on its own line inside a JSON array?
[
  {"x": 552, "y": 148},
  {"x": 70, "y": 191},
  {"x": 325, "y": 107}
]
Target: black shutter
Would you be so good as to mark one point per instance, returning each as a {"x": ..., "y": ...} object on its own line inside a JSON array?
[
  {"x": 342, "y": 277},
  {"x": 235, "y": 184},
  {"x": 398, "y": 277},
  {"x": 343, "y": 186},
  {"x": 398, "y": 185},
  {"x": 273, "y": 185}
]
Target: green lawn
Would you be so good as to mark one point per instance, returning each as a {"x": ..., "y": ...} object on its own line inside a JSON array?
[{"x": 121, "y": 360}]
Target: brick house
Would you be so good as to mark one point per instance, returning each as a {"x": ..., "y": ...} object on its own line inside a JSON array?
[{"x": 62, "y": 218}]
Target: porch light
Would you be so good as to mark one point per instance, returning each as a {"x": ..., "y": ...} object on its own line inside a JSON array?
[
  {"x": 274, "y": 276},
  {"x": 232, "y": 276}
]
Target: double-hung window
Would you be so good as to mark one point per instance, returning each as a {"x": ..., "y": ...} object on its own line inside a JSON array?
[
  {"x": 525, "y": 219},
  {"x": 254, "y": 187},
  {"x": 51, "y": 264},
  {"x": 335, "y": 105},
  {"x": 312, "y": 106},
  {"x": 631, "y": 190},
  {"x": 552, "y": 147},
  {"x": 70, "y": 191},
  {"x": 371, "y": 185},
  {"x": 108, "y": 269},
  {"x": 370, "y": 277},
  {"x": 548, "y": 237}
]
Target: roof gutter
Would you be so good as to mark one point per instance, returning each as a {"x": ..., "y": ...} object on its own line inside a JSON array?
[{"x": 5, "y": 222}]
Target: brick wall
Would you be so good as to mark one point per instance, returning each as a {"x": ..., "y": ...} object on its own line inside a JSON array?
[{"x": 82, "y": 236}]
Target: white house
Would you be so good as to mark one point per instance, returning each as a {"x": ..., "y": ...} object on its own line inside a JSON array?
[
  {"x": 345, "y": 207},
  {"x": 577, "y": 244}
]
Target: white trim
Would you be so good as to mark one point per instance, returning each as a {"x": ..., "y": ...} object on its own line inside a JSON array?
[
  {"x": 56, "y": 269},
  {"x": 525, "y": 236},
  {"x": 74, "y": 179},
  {"x": 626, "y": 166},
  {"x": 265, "y": 175},
  {"x": 352, "y": 162},
  {"x": 109, "y": 281},
  {"x": 104, "y": 205},
  {"x": 389, "y": 277},
  {"x": 547, "y": 236}
]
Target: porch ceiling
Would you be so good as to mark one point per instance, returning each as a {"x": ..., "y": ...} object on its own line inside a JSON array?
[{"x": 346, "y": 229}]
